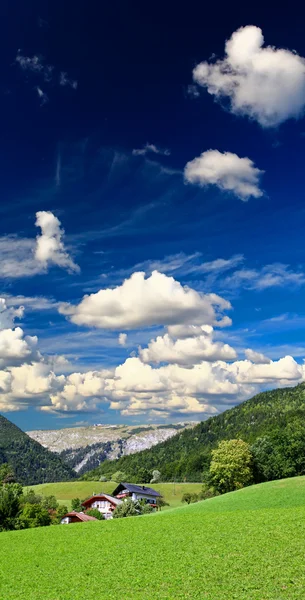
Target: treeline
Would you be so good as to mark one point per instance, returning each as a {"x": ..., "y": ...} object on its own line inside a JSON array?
[
  {"x": 21, "y": 509},
  {"x": 272, "y": 423},
  {"x": 30, "y": 462}
]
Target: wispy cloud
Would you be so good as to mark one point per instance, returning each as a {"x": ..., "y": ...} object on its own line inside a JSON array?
[
  {"x": 273, "y": 275},
  {"x": 44, "y": 74},
  {"x": 150, "y": 148}
]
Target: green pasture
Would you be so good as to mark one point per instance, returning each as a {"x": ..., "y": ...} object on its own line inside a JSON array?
[
  {"x": 247, "y": 545},
  {"x": 64, "y": 492}
]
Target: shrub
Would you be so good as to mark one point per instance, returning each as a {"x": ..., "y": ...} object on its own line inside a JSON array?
[
  {"x": 94, "y": 512},
  {"x": 33, "y": 515},
  {"x": 76, "y": 504}
]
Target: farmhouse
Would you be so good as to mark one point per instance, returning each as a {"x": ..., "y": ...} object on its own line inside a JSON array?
[
  {"x": 103, "y": 502},
  {"x": 137, "y": 492},
  {"x": 76, "y": 517}
]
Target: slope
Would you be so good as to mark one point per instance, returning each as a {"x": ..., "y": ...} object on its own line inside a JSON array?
[
  {"x": 84, "y": 448},
  {"x": 31, "y": 462},
  {"x": 278, "y": 416},
  {"x": 247, "y": 544}
]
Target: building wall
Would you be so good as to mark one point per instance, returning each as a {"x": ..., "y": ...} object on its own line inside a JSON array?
[
  {"x": 103, "y": 506},
  {"x": 136, "y": 496}
]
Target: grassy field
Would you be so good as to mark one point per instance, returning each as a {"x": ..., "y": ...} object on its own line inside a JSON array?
[
  {"x": 248, "y": 545},
  {"x": 64, "y": 492}
]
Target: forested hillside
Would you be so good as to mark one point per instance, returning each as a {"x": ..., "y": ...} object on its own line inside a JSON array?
[
  {"x": 30, "y": 462},
  {"x": 272, "y": 422}
]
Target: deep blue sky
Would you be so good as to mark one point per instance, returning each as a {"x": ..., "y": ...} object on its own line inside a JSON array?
[{"x": 72, "y": 155}]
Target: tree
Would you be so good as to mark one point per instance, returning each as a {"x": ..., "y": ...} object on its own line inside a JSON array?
[
  {"x": 76, "y": 504},
  {"x": 126, "y": 509},
  {"x": 61, "y": 512},
  {"x": 6, "y": 474},
  {"x": 50, "y": 503},
  {"x": 33, "y": 515},
  {"x": 103, "y": 478},
  {"x": 231, "y": 466},
  {"x": 10, "y": 495},
  {"x": 118, "y": 476},
  {"x": 161, "y": 502},
  {"x": 94, "y": 512},
  {"x": 187, "y": 497},
  {"x": 156, "y": 476},
  {"x": 30, "y": 497}
]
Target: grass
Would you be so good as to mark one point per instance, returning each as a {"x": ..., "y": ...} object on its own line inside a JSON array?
[
  {"x": 248, "y": 545},
  {"x": 64, "y": 492}
]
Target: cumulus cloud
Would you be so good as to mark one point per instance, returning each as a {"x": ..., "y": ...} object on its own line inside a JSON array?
[
  {"x": 50, "y": 248},
  {"x": 150, "y": 148},
  {"x": 266, "y": 84},
  {"x": 187, "y": 351},
  {"x": 227, "y": 171},
  {"x": 140, "y": 302},
  {"x": 25, "y": 257},
  {"x": 123, "y": 339},
  {"x": 15, "y": 347},
  {"x": 257, "y": 357}
]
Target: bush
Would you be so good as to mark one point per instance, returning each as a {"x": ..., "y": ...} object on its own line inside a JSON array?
[
  {"x": 33, "y": 515},
  {"x": 76, "y": 504},
  {"x": 94, "y": 512},
  {"x": 126, "y": 509},
  {"x": 103, "y": 478},
  {"x": 231, "y": 466},
  {"x": 10, "y": 495}
]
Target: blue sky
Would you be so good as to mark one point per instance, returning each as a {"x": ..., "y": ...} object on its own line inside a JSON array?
[{"x": 167, "y": 143}]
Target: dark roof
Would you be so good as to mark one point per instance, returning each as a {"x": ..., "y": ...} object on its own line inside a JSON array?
[
  {"x": 137, "y": 489},
  {"x": 80, "y": 515}
]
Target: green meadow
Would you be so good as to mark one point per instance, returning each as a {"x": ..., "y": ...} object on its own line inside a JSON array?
[
  {"x": 64, "y": 492},
  {"x": 246, "y": 545}
]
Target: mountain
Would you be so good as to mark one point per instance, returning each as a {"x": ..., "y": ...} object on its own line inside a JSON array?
[
  {"x": 31, "y": 462},
  {"x": 84, "y": 448},
  {"x": 273, "y": 422}
]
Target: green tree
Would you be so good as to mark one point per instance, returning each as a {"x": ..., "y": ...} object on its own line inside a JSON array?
[
  {"x": 10, "y": 495},
  {"x": 49, "y": 502},
  {"x": 187, "y": 497},
  {"x": 30, "y": 497},
  {"x": 94, "y": 512},
  {"x": 126, "y": 509},
  {"x": 61, "y": 512},
  {"x": 231, "y": 466},
  {"x": 118, "y": 476},
  {"x": 6, "y": 474},
  {"x": 161, "y": 502},
  {"x": 33, "y": 515},
  {"x": 76, "y": 504},
  {"x": 103, "y": 478}
]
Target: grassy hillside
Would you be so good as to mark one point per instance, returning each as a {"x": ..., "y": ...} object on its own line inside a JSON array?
[
  {"x": 247, "y": 545},
  {"x": 278, "y": 416},
  {"x": 64, "y": 492},
  {"x": 30, "y": 461}
]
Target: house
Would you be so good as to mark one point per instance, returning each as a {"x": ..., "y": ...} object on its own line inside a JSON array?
[
  {"x": 103, "y": 502},
  {"x": 137, "y": 492},
  {"x": 76, "y": 517}
]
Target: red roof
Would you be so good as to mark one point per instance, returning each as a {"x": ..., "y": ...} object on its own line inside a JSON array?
[
  {"x": 80, "y": 515},
  {"x": 114, "y": 501}
]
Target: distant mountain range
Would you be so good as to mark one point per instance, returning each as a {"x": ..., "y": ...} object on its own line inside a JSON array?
[
  {"x": 273, "y": 422},
  {"x": 31, "y": 462},
  {"x": 85, "y": 448}
]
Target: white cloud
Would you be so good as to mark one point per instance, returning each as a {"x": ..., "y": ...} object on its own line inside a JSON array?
[
  {"x": 23, "y": 257},
  {"x": 257, "y": 357},
  {"x": 50, "y": 248},
  {"x": 8, "y": 315},
  {"x": 274, "y": 275},
  {"x": 150, "y": 148},
  {"x": 186, "y": 264},
  {"x": 227, "y": 171},
  {"x": 264, "y": 83},
  {"x": 140, "y": 302},
  {"x": 65, "y": 81},
  {"x": 187, "y": 351},
  {"x": 42, "y": 95},
  {"x": 35, "y": 64},
  {"x": 122, "y": 339}
]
